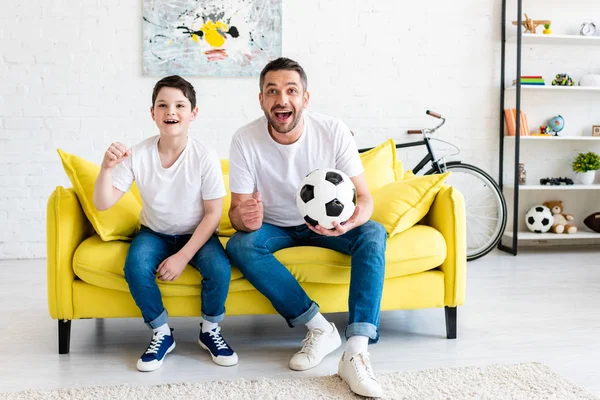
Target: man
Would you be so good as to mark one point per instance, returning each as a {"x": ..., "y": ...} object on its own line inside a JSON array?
[{"x": 268, "y": 159}]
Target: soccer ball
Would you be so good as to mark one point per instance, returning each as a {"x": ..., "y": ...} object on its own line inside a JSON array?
[
  {"x": 539, "y": 219},
  {"x": 325, "y": 196}
]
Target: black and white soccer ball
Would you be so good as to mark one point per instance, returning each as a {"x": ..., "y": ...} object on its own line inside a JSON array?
[
  {"x": 325, "y": 196},
  {"x": 539, "y": 219}
]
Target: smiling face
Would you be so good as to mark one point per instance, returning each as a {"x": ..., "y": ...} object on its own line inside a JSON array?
[
  {"x": 283, "y": 99},
  {"x": 172, "y": 112}
]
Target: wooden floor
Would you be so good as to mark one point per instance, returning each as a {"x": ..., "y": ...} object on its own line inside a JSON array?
[{"x": 540, "y": 306}]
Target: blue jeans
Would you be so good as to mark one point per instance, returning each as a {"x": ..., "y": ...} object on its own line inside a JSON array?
[
  {"x": 148, "y": 249},
  {"x": 252, "y": 253}
]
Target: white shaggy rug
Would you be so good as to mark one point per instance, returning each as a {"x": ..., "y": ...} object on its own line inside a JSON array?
[{"x": 520, "y": 381}]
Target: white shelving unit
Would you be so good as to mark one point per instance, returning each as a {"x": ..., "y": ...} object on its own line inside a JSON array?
[
  {"x": 555, "y": 138},
  {"x": 579, "y": 199},
  {"x": 541, "y": 39},
  {"x": 581, "y": 235},
  {"x": 552, "y": 188},
  {"x": 550, "y": 88}
]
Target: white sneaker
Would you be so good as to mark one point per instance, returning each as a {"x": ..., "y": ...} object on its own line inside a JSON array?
[
  {"x": 356, "y": 371},
  {"x": 317, "y": 345}
]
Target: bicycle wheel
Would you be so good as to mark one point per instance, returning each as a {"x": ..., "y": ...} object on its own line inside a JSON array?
[{"x": 484, "y": 205}]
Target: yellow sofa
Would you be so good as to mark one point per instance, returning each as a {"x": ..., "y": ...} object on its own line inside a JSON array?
[{"x": 425, "y": 268}]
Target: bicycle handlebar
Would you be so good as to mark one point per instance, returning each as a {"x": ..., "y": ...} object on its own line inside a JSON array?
[{"x": 434, "y": 114}]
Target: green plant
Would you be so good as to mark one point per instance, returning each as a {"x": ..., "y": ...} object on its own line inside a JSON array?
[
  {"x": 586, "y": 162},
  {"x": 547, "y": 26}
]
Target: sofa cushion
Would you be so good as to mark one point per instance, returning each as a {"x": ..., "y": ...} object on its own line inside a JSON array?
[
  {"x": 121, "y": 221},
  {"x": 418, "y": 249},
  {"x": 101, "y": 263},
  {"x": 400, "y": 205},
  {"x": 381, "y": 165}
]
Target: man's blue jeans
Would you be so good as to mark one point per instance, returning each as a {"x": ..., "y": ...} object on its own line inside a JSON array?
[
  {"x": 252, "y": 253},
  {"x": 148, "y": 249}
]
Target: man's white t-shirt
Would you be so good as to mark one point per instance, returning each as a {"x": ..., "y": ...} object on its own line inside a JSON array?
[
  {"x": 258, "y": 163},
  {"x": 172, "y": 198}
]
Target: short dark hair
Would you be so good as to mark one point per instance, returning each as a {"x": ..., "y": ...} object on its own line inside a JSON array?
[
  {"x": 283, "y": 63},
  {"x": 177, "y": 82}
]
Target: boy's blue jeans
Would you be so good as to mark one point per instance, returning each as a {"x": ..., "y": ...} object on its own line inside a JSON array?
[
  {"x": 252, "y": 253},
  {"x": 148, "y": 249}
]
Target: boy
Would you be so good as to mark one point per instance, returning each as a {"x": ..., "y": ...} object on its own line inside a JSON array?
[{"x": 182, "y": 192}]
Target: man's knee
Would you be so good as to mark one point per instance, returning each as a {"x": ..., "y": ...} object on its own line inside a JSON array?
[{"x": 375, "y": 231}]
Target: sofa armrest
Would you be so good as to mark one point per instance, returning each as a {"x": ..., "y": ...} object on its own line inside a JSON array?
[
  {"x": 66, "y": 227},
  {"x": 447, "y": 215}
]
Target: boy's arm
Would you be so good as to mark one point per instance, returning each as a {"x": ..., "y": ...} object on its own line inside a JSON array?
[
  {"x": 172, "y": 267},
  {"x": 105, "y": 194}
]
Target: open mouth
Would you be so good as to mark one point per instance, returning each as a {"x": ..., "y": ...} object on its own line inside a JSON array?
[
  {"x": 171, "y": 121},
  {"x": 283, "y": 116}
]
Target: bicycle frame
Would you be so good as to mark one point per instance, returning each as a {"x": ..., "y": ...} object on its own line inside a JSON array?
[{"x": 430, "y": 156}]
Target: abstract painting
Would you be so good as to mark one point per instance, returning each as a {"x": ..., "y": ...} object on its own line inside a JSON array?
[{"x": 210, "y": 37}]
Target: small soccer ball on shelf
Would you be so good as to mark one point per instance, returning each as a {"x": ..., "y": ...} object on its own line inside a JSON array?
[{"x": 539, "y": 219}]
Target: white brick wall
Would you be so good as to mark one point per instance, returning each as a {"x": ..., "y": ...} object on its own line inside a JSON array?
[{"x": 71, "y": 79}]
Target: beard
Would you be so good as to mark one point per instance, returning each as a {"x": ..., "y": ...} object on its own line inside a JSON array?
[{"x": 280, "y": 127}]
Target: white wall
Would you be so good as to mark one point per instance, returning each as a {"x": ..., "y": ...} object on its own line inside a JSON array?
[{"x": 71, "y": 79}]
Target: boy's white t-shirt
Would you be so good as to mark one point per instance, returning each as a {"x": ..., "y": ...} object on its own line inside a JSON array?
[
  {"x": 172, "y": 198},
  {"x": 258, "y": 163}
]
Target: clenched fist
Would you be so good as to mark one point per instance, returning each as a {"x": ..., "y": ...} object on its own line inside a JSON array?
[
  {"x": 251, "y": 212},
  {"x": 115, "y": 154}
]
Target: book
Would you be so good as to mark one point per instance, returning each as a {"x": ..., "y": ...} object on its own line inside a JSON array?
[{"x": 511, "y": 124}]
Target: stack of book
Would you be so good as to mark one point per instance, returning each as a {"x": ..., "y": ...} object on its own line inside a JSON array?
[{"x": 531, "y": 80}]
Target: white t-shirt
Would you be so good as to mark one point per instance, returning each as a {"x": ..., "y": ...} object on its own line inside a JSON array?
[
  {"x": 171, "y": 197},
  {"x": 257, "y": 162}
]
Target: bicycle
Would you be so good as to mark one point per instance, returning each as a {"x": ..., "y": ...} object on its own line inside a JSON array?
[{"x": 485, "y": 205}]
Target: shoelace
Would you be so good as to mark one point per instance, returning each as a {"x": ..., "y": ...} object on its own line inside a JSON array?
[
  {"x": 310, "y": 340},
  {"x": 155, "y": 343},
  {"x": 363, "y": 367},
  {"x": 216, "y": 337}
]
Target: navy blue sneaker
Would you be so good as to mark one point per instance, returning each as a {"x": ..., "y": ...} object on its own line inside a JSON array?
[
  {"x": 159, "y": 347},
  {"x": 218, "y": 348}
]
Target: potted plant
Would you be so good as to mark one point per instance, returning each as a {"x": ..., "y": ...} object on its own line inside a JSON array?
[{"x": 586, "y": 164}]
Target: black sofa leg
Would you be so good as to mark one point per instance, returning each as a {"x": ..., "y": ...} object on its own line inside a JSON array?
[
  {"x": 450, "y": 322},
  {"x": 64, "y": 336}
]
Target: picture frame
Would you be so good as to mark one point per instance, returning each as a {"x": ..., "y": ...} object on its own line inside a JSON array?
[{"x": 596, "y": 130}]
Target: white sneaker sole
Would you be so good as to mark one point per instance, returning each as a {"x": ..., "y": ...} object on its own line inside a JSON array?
[
  {"x": 228, "y": 361},
  {"x": 153, "y": 365}
]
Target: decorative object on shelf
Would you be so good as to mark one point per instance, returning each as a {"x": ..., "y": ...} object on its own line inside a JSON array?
[
  {"x": 531, "y": 25},
  {"x": 510, "y": 116},
  {"x": 539, "y": 219},
  {"x": 545, "y": 130},
  {"x": 596, "y": 130},
  {"x": 592, "y": 221},
  {"x": 556, "y": 181},
  {"x": 588, "y": 28},
  {"x": 562, "y": 80},
  {"x": 562, "y": 222},
  {"x": 547, "y": 30},
  {"x": 522, "y": 174},
  {"x": 556, "y": 124},
  {"x": 592, "y": 80},
  {"x": 531, "y": 80},
  {"x": 586, "y": 164}
]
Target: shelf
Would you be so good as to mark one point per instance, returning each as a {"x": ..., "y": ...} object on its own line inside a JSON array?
[
  {"x": 554, "y": 138},
  {"x": 557, "y": 187},
  {"x": 527, "y": 235},
  {"x": 550, "y": 88},
  {"x": 531, "y": 38}
]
